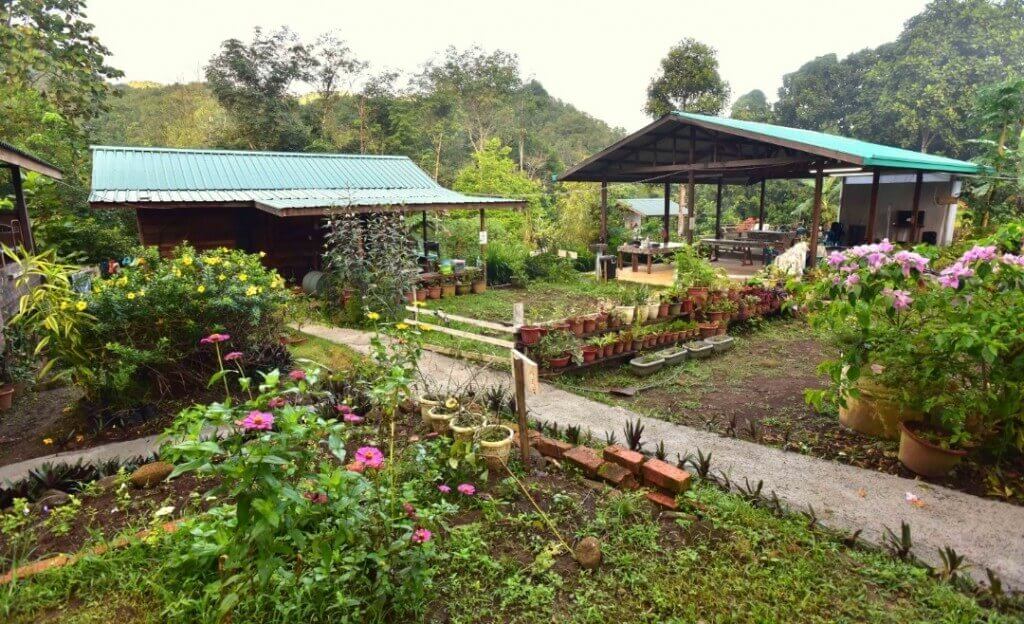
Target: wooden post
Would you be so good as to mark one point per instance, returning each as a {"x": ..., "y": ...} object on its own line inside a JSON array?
[
  {"x": 524, "y": 431},
  {"x": 424, "y": 232},
  {"x": 873, "y": 208},
  {"x": 518, "y": 315},
  {"x": 667, "y": 216},
  {"x": 21, "y": 210},
  {"x": 718, "y": 210},
  {"x": 816, "y": 217},
  {"x": 917, "y": 206},
  {"x": 760, "y": 212},
  {"x": 691, "y": 191},
  {"x": 483, "y": 246},
  {"x": 604, "y": 213}
]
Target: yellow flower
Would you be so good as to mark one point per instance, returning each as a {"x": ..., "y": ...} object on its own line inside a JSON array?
[
  {"x": 222, "y": 277},
  {"x": 186, "y": 260},
  {"x": 451, "y": 403},
  {"x": 81, "y": 305},
  {"x": 142, "y": 293},
  {"x": 250, "y": 291},
  {"x": 47, "y": 441},
  {"x": 263, "y": 254},
  {"x": 212, "y": 260},
  {"x": 123, "y": 281},
  {"x": 242, "y": 277},
  {"x": 201, "y": 289},
  {"x": 373, "y": 316},
  {"x": 64, "y": 305},
  {"x": 130, "y": 296},
  {"x": 177, "y": 273},
  {"x": 401, "y": 326},
  {"x": 418, "y": 303}
]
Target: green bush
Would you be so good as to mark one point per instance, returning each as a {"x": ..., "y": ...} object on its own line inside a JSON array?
[{"x": 89, "y": 239}]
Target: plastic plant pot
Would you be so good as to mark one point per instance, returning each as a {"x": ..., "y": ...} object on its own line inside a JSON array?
[{"x": 722, "y": 343}]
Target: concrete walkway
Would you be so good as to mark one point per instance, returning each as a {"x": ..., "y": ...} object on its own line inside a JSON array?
[
  {"x": 123, "y": 450},
  {"x": 989, "y": 533}
]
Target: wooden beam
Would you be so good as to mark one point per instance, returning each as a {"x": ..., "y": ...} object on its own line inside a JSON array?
[
  {"x": 666, "y": 216},
  {"x": 917, "y": 206},
  {"x": 27, "y": 162},
  {"x": 718, "y": 210},
  {"x": 458, "y": 333},
  {"x": 445, "y": 316},
  {"x": 483, "y": 246},
  {"x": 21, "y": 209},
  {"x": 691, "y": 192},
  {"x": 760, "y": 211},
  {"x": 746, "y": 163},
  {"x": 816, "y": 218},
  {"x": 604, "y": 213},
  {"x": 873, "y": 208}
]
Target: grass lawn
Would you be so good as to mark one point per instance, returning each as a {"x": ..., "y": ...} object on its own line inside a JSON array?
[
  {"x": 723, "y": 560},
  {"x": 334, "y": 356}
]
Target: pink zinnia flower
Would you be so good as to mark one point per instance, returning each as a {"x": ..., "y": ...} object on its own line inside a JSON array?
[
  {"x": 352, "y": 418},
  {"x": 444, "y": 489},
  {"x": 853, "y": 279},
  {"x": 276, "y": 402},
  {"x": 297, "y": 375},
  {"x": 234, "y": 355},
  {"x": 257, "y": 421},
  {"x": 421, "y": 535},
  {"x": 466, "y": 489},
  {"x": 356, "y": 466},
  {"x": 215, "y": 338},
  {"x": 370, "y": 456}
]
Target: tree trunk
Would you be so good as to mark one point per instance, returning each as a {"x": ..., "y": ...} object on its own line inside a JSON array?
[
  {"x": 437, "y": 156},
  {"x": 681, "y": 222}
]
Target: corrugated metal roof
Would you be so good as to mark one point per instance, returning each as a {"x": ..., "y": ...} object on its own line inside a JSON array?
[
  {"x": 873, "y": 154},
  {"x": 279, "y": 180},
  {"x": 650, "y": 206}
]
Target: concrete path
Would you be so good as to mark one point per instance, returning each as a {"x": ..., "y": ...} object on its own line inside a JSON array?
[
  {"x": 123, "y": 450},
  {"x": 989, "y": 533}
]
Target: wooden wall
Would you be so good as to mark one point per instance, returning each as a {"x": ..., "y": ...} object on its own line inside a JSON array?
[{"x": 292, "y": 244}]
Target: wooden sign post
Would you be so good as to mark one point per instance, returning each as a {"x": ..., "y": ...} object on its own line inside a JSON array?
[{"x": 525, "y": 376}]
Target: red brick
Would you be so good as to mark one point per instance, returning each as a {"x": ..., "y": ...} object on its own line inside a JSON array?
[
  {"x": 665, "y": 476},
  {"x": 531, "y": 435},
  {"x": 663, "y": 501},
  {"x": 630, "y": 460},
  {"x": 585, "y": 459},
  {"x": 550, "y": 447},
  {"x": 617, "y": 475}
]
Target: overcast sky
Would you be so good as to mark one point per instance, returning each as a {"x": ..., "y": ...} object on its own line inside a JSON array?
[{"x": 596, "y": 55}]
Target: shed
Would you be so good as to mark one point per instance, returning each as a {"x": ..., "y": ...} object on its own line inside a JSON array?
[
  {"x": 17, "y": 228},
  {"x": 262, "y": 201},
  {"x": 637, "y": 209},
  {"x": 936, "y": 210}
]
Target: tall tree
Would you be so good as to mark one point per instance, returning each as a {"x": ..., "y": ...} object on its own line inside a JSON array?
[
  {"x": 688, "y": 81},
  {"x": 47, "y": 46},
  {"x": 252, "y": 81},
  {"x": 752, "y": 106},
  {"x": 1000, "y": 113},
  {"x": 334, "y": 68}
]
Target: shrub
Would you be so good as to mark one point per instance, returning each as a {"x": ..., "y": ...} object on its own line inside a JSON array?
[{"x": 137, "y": 332}]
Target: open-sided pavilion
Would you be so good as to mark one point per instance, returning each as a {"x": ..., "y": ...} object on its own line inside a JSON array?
[{"x": 690, "y": 148}]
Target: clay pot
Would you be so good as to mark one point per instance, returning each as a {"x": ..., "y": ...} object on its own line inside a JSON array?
[
  {"x": 875, "y": 412},
  {"x": 714, "y": 317},
  {"x": 721, "y": 329},
  {"x": 686, "y": 306},
  {"x": 6, "y": 397},
  {"x": 479, "y": 286},
  {"x": 619, "y": 346},
  {"x": 463, "y": 289},
  {"x": 590, "y": 353},
  {"x": 925, "y": 458},
  {"x": 577, "y": 326},
  {"x": 698, "y": 295},
  {"x": 608, "y": 350},
  {"x": 410, "y": 298},
  {"x": 434, "y": 292},
  {"x": 589, "y": 325},
  {"x": 708, "y": 329},
  {"x": 559, "y": 362},
  {"x": 529, "y": 334},
  {"x": 421, "y": 295},
  {"x": 448, "y": 290},
  {"x": 627, "y": 345},
  {"x": 663, "y": 310}
]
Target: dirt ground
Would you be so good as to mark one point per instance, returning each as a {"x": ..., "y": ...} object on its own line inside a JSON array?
[{"x": 756, "y": 392}]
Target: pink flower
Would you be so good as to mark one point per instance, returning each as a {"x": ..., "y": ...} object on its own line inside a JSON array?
[
  {"x": 444, "y": 489},
  {"x": 234, "y": 355},
  {"x": 352, "y": 418},
  {"x": 835, "y": 259},
  {"x": 909, "y": 260},
  {"x": 297, "y": 375},
  {"x": 410, "y": 511},
  {"x": 876, "y": 259},
  {"x": 215, "y": 338},
  {"x": 1011, "y": 259},
  {"x": 256, "y": 421},
  {"x": 853, "y": 279},
  {"x": 318, "y": 498},
  {"x": 342, "y": 409},
  {"x": 466, "y": 489},
  {"x": 370, "y": 456},
  {"x": 979, "y": 253},
  {"x": 901, "y": 299},
  {"x": 885, "y": 246},
  {"x": 421, "y": 535},
  {"x": 276, "y": 402}
]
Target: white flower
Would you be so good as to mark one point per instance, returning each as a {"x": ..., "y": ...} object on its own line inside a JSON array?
[{"x": 164, "y": 511}]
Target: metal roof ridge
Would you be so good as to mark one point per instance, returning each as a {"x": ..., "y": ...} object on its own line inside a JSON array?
[{"x": 198, "y": 150}]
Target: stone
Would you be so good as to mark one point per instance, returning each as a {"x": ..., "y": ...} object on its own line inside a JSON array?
[
  {"x": 551, "y": 447},
  {"x": 663, "y": 501},
  {"x": 585, "y": 459},
  {"x": 52, "y": 498},
  {"x": 630, "y": 460},
  {"x": 665, "y": 476},
  {"x": 617, "y": 475},
  {"x": 151, "y": 474},
  {"x": 106, "y": 483},
  {"x": 588, "y": 553}
]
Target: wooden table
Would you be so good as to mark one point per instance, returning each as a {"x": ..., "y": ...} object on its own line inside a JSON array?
[
  {"x": 635, "y": 251},
  {"x": 744, "y": 246}
]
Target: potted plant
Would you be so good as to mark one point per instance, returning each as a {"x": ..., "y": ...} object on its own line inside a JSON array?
[
  {"x": 601, "y": 321},
  {"x": 433, "y": 288},
  {"x": 664, "y": 304},
  {"x": 447, "y": 285},
  {"x": 440, "y": 416},
  {"x": 478, "y": 280},
  {"x": 592, "y": 350},
  {"x": 676, "y": 355},
  {"x": 428, "y": 401},
  {"x": 641, "y": 294},
  {"x": 577, "y": 326},
  {"x": 694, "y": 273},
  {"x": 465, "y": 424},
  {"x": 558, "y": 348},
  {"x": 699, "y": 349},
  {"x": 646, "y": 365},
  {"x": 626, "y": 309},
  {"x": 495, "y": 442},
  {"x": 530, "y": 334},
  {"x": 721, "y": 344},
  {"x": 607, "y": 344},
  {"x": 462, "y": 283},
  {"x": 926, "y": 450},
  {"x": 674, "y": 297},
  {"x": 626, "y": 339},
  {"x": 708, "y": 329},
  {"x": 653, "y": 308},
  {"x": 589, "y": 324},
  {"x": 421, "y": 293}
]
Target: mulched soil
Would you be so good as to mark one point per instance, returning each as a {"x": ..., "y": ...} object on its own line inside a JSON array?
[
  {"x": 57, "y": 415},
  {"x": 756, "y": 392}
]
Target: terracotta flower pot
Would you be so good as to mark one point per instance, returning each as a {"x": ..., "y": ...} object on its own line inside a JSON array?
[
  {"x": 6, "y": 397},
  {"x": 686, "y": 306},
  {"x": 663, "y": 309},
  {"x": 601, "y": 321},
  {"x": 590, "y": 353},
  {"x": 875, "y": 412},
  {"x": 925, "y": 458},
  {"x": 619, "y": 346},
  {"x": 589, "y": 325},
  {"x": 608, "y": 350},
  {"x": 421, "y": 295},
  {"x": 715, "y": 316},
  {"x": 410, "y": 297},
  {"x": 722, "y": 327},
  {"x": 708, "y": 329},
  {"x": 698, "y": 295},
  {"x": 479, "y": 286},
  {"x": 627, "y": 345},
  {"x": 448, "y": 290},
  {"x": 529, "y": 334},
  {"x": 463, "y": 289},
  {"x": 434, "y": 292},
  {"x": 559, "y": 362}
]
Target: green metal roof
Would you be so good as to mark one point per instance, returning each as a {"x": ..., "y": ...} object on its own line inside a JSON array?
[
  {"x": 274, "y": 181},
  {"x": 862, "y": 152},
  {"x": 649, "y": 206}
]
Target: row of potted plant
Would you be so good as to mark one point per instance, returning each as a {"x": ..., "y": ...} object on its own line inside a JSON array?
[
  {"x": 445, "y": 285},
  {"x": 467, "y": 422}
]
